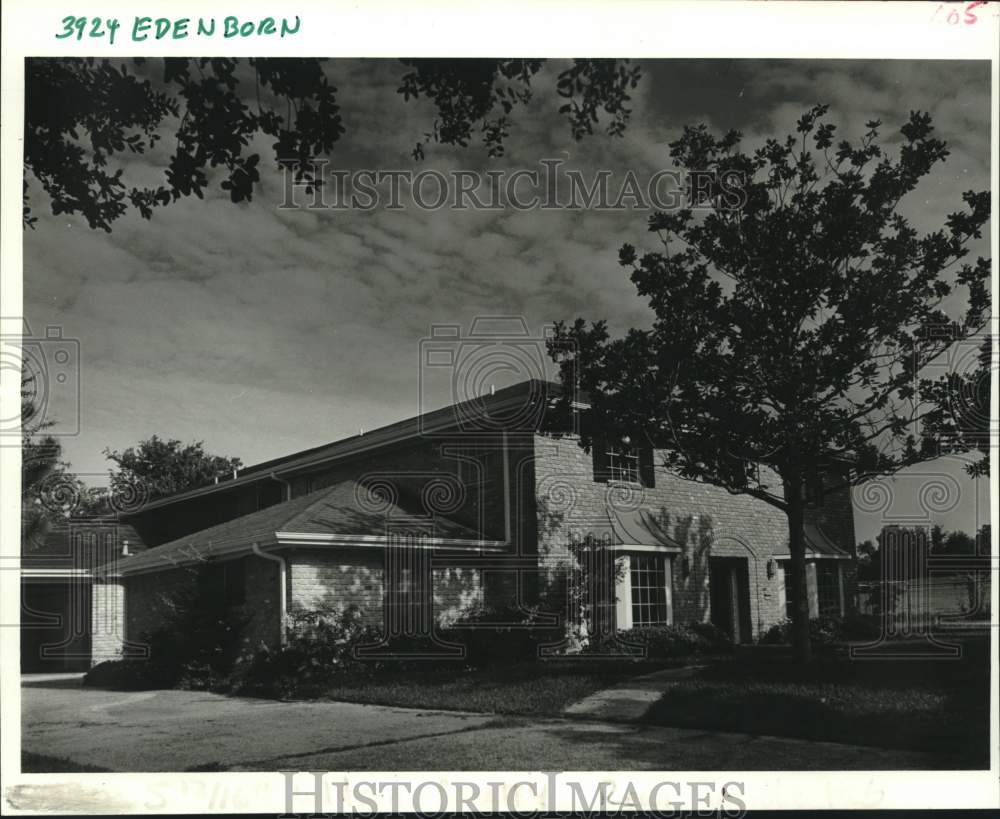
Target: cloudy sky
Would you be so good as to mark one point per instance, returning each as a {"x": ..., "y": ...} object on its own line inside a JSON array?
[{"x": 263, "y": 331}]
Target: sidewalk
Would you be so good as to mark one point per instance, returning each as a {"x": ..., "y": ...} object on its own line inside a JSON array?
[
  {"x": 629, "y": 701},
  {"x": 173, "y": 731}
]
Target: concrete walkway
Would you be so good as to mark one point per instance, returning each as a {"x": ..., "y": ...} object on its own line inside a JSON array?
[
  {"x": 174, "y": 731},
  {"x": 629, "y": 701}
]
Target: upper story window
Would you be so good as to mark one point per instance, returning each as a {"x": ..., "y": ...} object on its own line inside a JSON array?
[{"x": 620, "y": 461}]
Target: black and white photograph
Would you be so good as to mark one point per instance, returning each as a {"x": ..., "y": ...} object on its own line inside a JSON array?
[{"x": 383, "y": 423}]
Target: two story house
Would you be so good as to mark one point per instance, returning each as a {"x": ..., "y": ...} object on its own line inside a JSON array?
[{"x": 482, "y": 502}]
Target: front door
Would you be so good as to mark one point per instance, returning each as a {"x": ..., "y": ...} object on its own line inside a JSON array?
[{"x": 729, "y": 589}]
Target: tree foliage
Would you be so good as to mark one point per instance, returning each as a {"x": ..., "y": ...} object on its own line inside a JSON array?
[
  {"x": 962, "y": 420},
  {"x": 155, "y": 468},
  {"x": 84, "y": 119},
  {"x": 50, "y": 493},
  {"x": 793, "y": 323}
]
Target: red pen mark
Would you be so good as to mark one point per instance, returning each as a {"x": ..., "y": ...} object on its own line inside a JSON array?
[
  {"x": 971, "y": 18},
  {"x": 953, "y": 18}
]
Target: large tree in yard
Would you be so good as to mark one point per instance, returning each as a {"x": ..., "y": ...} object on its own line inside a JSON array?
[
  {"x": 86, "y": 117},
  {"x": 156, "y": 467},
  {"x": 792, "y": 328}
]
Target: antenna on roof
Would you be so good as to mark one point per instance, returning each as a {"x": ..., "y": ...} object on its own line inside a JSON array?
[
  {"x": 493, "y": 389},
  {"x": 361, "y": 431},
  {"x": 234, "y": 474}
]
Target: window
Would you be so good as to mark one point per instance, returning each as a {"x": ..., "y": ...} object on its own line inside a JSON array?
[
  {"x": 649, "y": 590},
  {"x": 828, "y": 588},
  {"x": 786, "y": 572},
  {"x": 620, "y": 462}
]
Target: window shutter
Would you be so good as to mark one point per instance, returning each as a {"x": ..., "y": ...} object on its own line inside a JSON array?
[
  {"x": 598, "y": 452},
  {"x": 647, "y": 473}
]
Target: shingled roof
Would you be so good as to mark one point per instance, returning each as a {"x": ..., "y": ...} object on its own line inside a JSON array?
[
  {"x": 79, "y": 545},
  {"x": 347, "y": 512}
]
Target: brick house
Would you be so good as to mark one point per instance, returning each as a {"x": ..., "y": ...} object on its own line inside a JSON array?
[
  {"x": 57, "y": 571},
  {"x": 476, "y": 503}
]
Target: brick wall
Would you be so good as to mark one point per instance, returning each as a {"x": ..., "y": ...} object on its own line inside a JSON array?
[
  {"x": 704, "y": 521},
  {"x": 107, "y": 620},
  {"x": 338, "y": 578},
  {"x": 263, "y": 601},
  {"x": 147, "y": 600}
]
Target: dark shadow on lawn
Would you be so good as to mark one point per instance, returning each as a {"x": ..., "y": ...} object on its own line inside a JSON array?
[{"x": 67, "y": 681}]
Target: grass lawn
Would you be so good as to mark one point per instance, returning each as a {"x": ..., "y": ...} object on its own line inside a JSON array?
[
  {"x": 39, "y": 763},
  {"x": 938, "y": 705},
  {"x": 541, "y": 688}
]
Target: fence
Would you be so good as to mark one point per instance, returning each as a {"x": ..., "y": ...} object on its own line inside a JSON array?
[{"x": 948, "y": 601}]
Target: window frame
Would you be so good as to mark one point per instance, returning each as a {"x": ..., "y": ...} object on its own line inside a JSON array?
[
  {"x": 828, "y": 589},
  {"x": 623, "y": 463},
  {"x": 812, "y": 583},
  {"x": 625, "y": 605}
]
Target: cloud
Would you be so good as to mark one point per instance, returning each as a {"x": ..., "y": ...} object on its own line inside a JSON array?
[{"x": 263, "y": 330}]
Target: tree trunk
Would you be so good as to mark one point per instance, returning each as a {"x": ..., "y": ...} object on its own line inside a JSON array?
[{"x": 801, "y": 646}]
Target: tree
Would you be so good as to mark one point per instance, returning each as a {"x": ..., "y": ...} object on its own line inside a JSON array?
[
  {"x": 791, "y": 321},
  {"x": 83, "y": 116},
  {"x": 937, "y": 538},
  {"x": 156, "y": 468},
  {"x": 49, "y": 492},
  {"x": 962, "y": 422}
]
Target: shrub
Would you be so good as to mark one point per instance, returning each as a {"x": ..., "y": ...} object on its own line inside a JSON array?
[
  {"x": 320, "y": 645},
  {"x": 195, "y": 647},
  {"x": 857, "y": 626},
  {"x": 668, "y": 642},
  {"x": 828, "y": 630},
  {"x": 126, "y": 675},
  {"x": 711, "y": 638},
  {"x": 499, "y": 635}
]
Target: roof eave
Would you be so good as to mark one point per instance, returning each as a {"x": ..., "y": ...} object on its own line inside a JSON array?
[{"x": 289, "y": 539}]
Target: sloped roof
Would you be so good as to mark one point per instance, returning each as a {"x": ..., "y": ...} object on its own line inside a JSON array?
[
  {"x": 818, "y": 544},
  {"x": 644, "y": 527},
  {"x": 347, "y": 509},
  {"x": 499, "y": 403},
  {"x": 79, "y": 544},
  {"x": 621, "y": 527}
]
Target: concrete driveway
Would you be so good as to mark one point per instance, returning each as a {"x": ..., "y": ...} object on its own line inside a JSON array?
[{"x": 171, "y": 731}]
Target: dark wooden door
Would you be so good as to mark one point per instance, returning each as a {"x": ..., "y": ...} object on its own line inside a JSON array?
[{"x": 729, "y": 591}]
